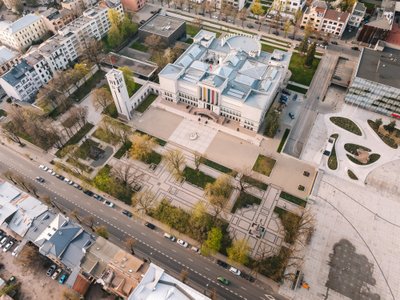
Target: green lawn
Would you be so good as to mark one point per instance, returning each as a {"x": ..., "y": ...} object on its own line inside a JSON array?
[
  {"x": 153, "y": 158},
  {"x": 197, "y": 178},
  {"x": 88, "y": 86},
  {"x": 296, "y": 89},
  {"x": 121, "y": 151},
  {"x": 386, "y": 139},
  {"x": 146, "y": 103},
  {"x": 264, "y": 165},
  {"x": 256, "y": 183},
  {"x": 346, "y": 124},
  {"x": 332, "y": 160},
  {"x": 300, "y": 73},
  {"x": 243, "y": 200},
  {"x": 283, "y": 140},
  {"x": 191, "y": 29},
  {"x": 352, "y": 175},
  {"x": 106, "y": 137},
  {"x": 270, "y": 48},
  {"x": 352, "y": 148},
  {"x": 76, "y": 138},
  {"x": 3, "y": 113},
  {"x": 158, "y": 141},
  {"x": 218, "y": 167},
  {"x": 111, "y": 111},
  {"x": 84, "y": 149},
  {"x": 137, "y": 87},
  {"x": 293, "y": 199},
  {"x": 139, "y": 46}
]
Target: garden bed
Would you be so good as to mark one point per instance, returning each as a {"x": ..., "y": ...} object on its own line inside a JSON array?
[
  {"x": 386, "y": 139},
  {"x": 256, "y": 183},
  {"x": 346, "y": 124},
  {"x": 244, "y": 200},
  {"x": 76, "y": 137},
  {"x": 139, "y": 46},
  {"x": 352, "y": 148},
  {"x": 102, "y": 135},
  {"x": 197, "y": 178},
  {"x": 332, "y": 160},
  {"x": 124, "y": 148},
  {"x": 372, "y": 158},
  {"x": 158, "y": 141},
  {"x": 84, "y": 149},
  {"x": 146, "y": 103},
  {"x": 88, "y": 86},
  {"x": 300, "y": 73},
  {"x": 283, "y": 140},
  {"x": 290, "y": 222},
  {"x": 264, "y": 165},
  {"x": 296, "y": 88},
  {"x": 352, "y": 175},
  {"x": 293, "y": 199},
  {"x": 218, "y": 167}
]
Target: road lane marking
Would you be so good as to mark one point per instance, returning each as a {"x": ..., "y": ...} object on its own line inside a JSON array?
[{"x": 207, "y": 269}]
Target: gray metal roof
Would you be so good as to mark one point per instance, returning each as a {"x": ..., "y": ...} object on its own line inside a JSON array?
[
  {"x": 6, "y": 54},
  {"x": 17, "y": 73},
  {"x": 162, "y": 25},
  {"x": 382, "y": 67}
]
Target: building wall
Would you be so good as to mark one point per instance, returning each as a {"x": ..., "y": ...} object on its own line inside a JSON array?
[
  {"x": 289, "y": 5},
  {"x": 57, "y": 24},
  {"x": 133, "y": 5},
  {"x": 374, "y": 96},
  {"x": 168, "y": 41}
]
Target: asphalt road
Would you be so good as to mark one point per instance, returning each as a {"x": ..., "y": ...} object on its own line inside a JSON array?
[{"x": 151, "y": 245}]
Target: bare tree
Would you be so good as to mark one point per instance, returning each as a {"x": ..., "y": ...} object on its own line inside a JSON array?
[
  {"x": 127, "y": 174},
  {"x": 175, "y": 161},
  {"x": 10, "y": 132},
  {"x": 184, "y": 275},
  {"x": 93, "y": 50},
  {"x": 153, "y": 42},
  {"x": 144, "y": 201},
  {"x": 89, "y": 220},
  {"x": 130, "y": 242},
  {"x": 101, "y": 98},
  {"x": 197, "y": 160}
]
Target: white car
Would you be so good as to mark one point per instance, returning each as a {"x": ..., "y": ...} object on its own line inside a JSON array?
[
  {"x": 182, "y": 243},
  {"x": 234, "y": 271},
  {"x": 56, "y": 273},
  {"x": 8, "y": 246},
  {"x": 15, "y": 251},
  {"x": 109, "y": 203},
  {"x": 44, "y": 168}
]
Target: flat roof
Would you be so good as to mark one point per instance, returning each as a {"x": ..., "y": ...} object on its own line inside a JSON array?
[
  {"x": 23, "y": 22},
  {"x": 7, "y": 54},
  {"x": 138, "y": 67},
  {"x": 382, "y": 67},
  {"x": 162, "y": 25}
]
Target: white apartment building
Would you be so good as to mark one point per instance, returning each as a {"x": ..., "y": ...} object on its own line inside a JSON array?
[
  {"x": 78, "y": 6},
  {"x": 288, "y": 5},
  {"x": 326, "y": 20},
  {"x": 228, "y": 78},
  {"x": 239, "y": 4},
  {"x": 21, "y": 82},
  {"x": 357, "y": 14},
  {"x": 58, "y": 52},
  {"x": 8, "y": 58},
  {"x": 20, "y": 34}
]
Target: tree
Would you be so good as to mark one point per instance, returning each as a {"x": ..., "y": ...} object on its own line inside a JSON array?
[
  {"x": 129, "y": 81},
  {"x": 130, "y": 242},
  {"x": 200, "y": 221},
  {"x": 144, "y": 201},
  {"x": 128, "y": 28},
  {"x": 153, "y": 42},
  {"x": 286, "y": 27},
  {"x": 69, "y": 294},
  {"x": 10, "y": 132},
  {"x": 243, "y": 15},
  {"x": 347, "y": 5},
  {"x": 17, "y": 6},
  {"x": 142, "y": 146},
  {"x": 221, "y": 187},
  {"x": 76, "y": 215},
  {"x": 242, "y": 180},
  {"x": 198, "y": 159},
  {"x": 102, "y": 231},
  {"x": 271, "y": 122},
  {"x": 303, "y": 45},
  {"x": 89, "y": 220},
  {"x": 175, "y": 160},
  {"x": 378, "y": 123},
  {"x": 126, "y": 174},
  {"x": 101, "y": 98},
  {"x": 28, "y": 257},
  {"x": 93, "y": 50},
  {"x": 310, "y": 55},
  {"x": 257, "y": 9},
  {"x": 114, "y": 17},
  {"x": 239, "y": 252},
  {"x": 9, "y": 288},
  {"x": 184, "y": 275},
  {"x": 208, "y": 7},
  {"x": 114, "y": 37},
  {"x": 213, "y": 242},
  {"x": 308, "y": 29},
  {"x": 391, "y": 127}
]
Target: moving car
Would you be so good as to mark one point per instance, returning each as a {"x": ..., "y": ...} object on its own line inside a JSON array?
[
  {"x": 223, "y": 280},
  {"x": 8, "y": 246},
  {"x": 39, "y": 179},
  {"x": 127, "y": 213},
  {"x": 63, "y": 278},
  {"x": 51, "y": 270},
  {"x": 56, "y": 273},
  {"x": 182, "y": 243},
  {"x": 150, "y": 225},
  {"x": 234, "y": 271}
]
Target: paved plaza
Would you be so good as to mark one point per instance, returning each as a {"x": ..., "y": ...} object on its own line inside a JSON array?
[{"x": 193, "y": 135}]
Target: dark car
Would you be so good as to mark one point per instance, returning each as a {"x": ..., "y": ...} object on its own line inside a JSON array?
[
  {"x": 355, "y": 48},
  {"x": 150, "y": 225},
  {"x": 39, "y": 179},
  {"x": 127, "y": 213},
  {"x": 89, "y": 193},
  {"x": 334, "y": 43},
  {"x": 142, "y": 22},
  {"x": 250, "y": 26},
  {"x": 51, "y": 270},
  {"x": 222, "y": 264},
  {"x": 98, "y": 197},
  {"x": 60, "y": 177},
  {"x": 247, "y": 277}
]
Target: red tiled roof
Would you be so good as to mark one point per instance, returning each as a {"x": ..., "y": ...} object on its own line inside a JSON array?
[
  {"x": 334, "y": 15},
  {"x": 81, "y": 285},
  {"x": 394, "y": 35}
]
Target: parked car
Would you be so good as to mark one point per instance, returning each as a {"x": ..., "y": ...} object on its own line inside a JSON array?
[
  {"x": 44, "y": 168},
  {"x": 8, "y": 246},
  {"x": 142, "y": 22},
  {"x": 223, "y": 280},
  {"x": 56, "y": 273},
  {"x": 182, "y": 243},
  {"x": 222, "y": 264},
  {"x": 77, "y": 186},
  {"x": 39, "y": 179},
  {"x": 60, "y": 177},
  {"x": 127, "y": 213},
  {"x": 89, "y": 193},
  {"x": 15, "y": 251},
  {"x": 4, "y": 241},
  {"x": 234, "y": 271},
  {"x": 63, "y": 278},
  {"x": 355, "y": 48},
  {"x": 51, "y": 270},
  {"x": 98, "y": 197},
  {"x": 250, "y": 26},
  {"x": 150, "y": 225},
  {"x": 247, "y": 277},
  {"x": 334, "y": 43},
  {"x": 195, "y": 249},
  {"x": 170, "y": 237},
  {"x": 109, "y": 203}
]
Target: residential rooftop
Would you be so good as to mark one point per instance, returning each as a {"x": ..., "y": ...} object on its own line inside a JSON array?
[
  {"x": 7, "y": 54},
  {"x": 382, "y": 67},
  {"x": 17, "y": 73},
  {"x": 19, "y": 24},
  {"x": 162, "y": 25}
]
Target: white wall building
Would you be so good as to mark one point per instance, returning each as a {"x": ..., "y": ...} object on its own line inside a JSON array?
[
  {"x": 21, "y": 33},
  {"x": 227, "y": 78},
  {"x": 8, "y": 58},
  {"x": 239, "y": 4},
  {"x": 288, "y": 5},
  {"x": 119, "y": 91},
  {"x": 357, "y": 14}
]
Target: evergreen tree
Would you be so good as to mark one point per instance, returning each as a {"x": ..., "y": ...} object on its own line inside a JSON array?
[{"x": 310, "y": 55}]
